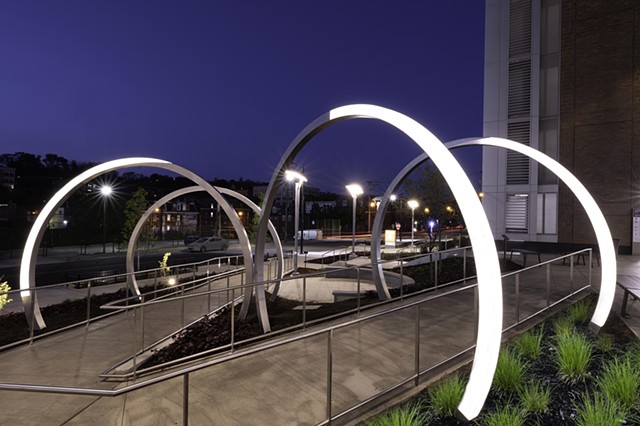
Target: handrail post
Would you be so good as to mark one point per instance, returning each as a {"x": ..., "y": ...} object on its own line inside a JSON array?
[
  {"x": 464, "y": 262},
  {"x": 475, "y": 311},
  {"x": 233, "y": 317},
  {"x": 548, "y": 284},
  {"x": 182, "y": 307},
  {"x": 142, "y": 324},
  {"x": 329, "y": 372},
  {"x": 358, "y": 302},
  {"x": 417, "y": 345},
  {"x": 32, "y": 295},
  {"x": 88, "y": 302},
  {"x": 185, "y": 400},
  {"x": 590, "y": 265},
  {"x": 571, "y": 276},
  {"x": 304, "y": 302},
  {"x": 401, "y": 281},
  {"x": 518, "y": 298}
]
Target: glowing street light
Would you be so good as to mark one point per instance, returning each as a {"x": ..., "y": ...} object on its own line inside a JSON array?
[
  {"x": 299, "y": 180},
  {"x": 355, "y": 190},
  {"x": 413, "y": 205},
  {"x": 106, "y": 192}
]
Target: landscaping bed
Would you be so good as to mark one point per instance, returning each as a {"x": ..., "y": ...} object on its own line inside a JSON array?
[{"x": 558, "y": 373}]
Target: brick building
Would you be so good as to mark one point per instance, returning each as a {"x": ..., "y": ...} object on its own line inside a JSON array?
[{"x": 562, "y": 76}]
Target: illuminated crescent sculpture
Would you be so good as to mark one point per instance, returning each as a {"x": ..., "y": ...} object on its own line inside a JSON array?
[
  {"x": 486, "y": 257},
  {"x": 131, "y": 278},
  {"x": 603, "y": 234},
  {"x": 29, "y": 257}
]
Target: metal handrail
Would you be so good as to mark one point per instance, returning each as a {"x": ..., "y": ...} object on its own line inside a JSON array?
[{"x": 184, "y": 372}]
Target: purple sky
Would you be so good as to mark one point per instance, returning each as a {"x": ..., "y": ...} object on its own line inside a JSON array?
[{"x": 222, "y": 88}]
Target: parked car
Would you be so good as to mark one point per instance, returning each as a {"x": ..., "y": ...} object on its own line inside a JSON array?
[
  {"x": 208, "y": 243},
  {"x": 190, "y": 239}
]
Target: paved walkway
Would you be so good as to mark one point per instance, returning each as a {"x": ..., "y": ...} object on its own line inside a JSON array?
[{"x": 284, "y": 385}]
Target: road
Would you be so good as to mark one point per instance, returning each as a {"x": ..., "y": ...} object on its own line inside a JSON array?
[{"x": 59, "y": 267}]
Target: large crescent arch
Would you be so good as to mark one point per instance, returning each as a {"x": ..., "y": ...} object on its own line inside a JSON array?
[
  {"x": 598, "y": 221},
  {"x": 487, "y": 265},
  {"x": 133, "y": 283},
  {"x": 29, "y": 257}
]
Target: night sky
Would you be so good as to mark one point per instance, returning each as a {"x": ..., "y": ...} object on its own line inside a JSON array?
[{"x": 222, "y": 88}]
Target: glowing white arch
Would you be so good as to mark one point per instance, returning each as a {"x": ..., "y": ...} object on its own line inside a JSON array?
[
  {"x": 29, "y": 257},
  {"x": 598, "y": 221},
  {"x": 133, "y": 282},
  {"x": 487, "y": 264}
]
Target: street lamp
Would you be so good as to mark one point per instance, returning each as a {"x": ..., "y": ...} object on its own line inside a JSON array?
[
  {"x": 355, "y": 190},
  {"x": 106, "y": 191},
  {"x": 413, "y": 205},
  {"x": 299, "y": 180}
]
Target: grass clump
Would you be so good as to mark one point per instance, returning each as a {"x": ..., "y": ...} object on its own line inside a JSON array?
[
  {"x": 406, "y": 415},
  {"x": 534, "y": 397},
  {"x": 598, "y": 411},
  {"x": 510, "y": 371},
  {"x": 444, "y": 399},
  {"x": 578, "y": 313},
  {"x": 562, "y": 326},
  {"x": 604, "y": 342},
  {"x": 573, "y": 356},
  {"x": 620, "y": 382},
  {"x": 510, "y": 415},
  {"x": 530, "y": 343}
]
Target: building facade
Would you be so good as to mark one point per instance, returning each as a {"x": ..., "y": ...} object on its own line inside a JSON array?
[{"x": 562, "y": 76}]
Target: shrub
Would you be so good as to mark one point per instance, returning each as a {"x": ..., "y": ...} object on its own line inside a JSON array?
[
  {"x": 4, "y": 296},
  {"x": 510, "y": 415},
  {"x": 598, "y": 411},
  {"x": 620, "y": 381},
  {"x": 578, "y": 313},
  {"x": 509, "y": 371},
  {"x": 444, "y": 399},
  {"x": 529, "y": 344},
  {"x": 534, "y": 397},
  {"x": 406, "y": 415},
  {"x": 573, "y": 356}
]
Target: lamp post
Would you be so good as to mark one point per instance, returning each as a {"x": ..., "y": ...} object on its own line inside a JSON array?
[
  {"x": 355, "y": 190},
  {"x": 106, "y": 191},
  {"x": 299, "y": 180},
  {"x": 413, "y": 204}
]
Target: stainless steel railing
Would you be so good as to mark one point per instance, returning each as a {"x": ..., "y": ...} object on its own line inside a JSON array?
[{"x": 540, "y": 274}]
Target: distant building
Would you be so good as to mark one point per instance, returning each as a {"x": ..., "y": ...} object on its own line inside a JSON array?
[
  {"x": 562, "y": 76},
  {"x": 7, "y": 177}
]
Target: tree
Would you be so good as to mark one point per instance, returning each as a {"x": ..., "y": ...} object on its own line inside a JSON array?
[
  {"x": 133, "y": 209},
  {"x": 431, "y": 189}
]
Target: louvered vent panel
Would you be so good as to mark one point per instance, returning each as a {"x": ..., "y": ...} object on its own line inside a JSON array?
[
  {"x": 518, "y": 164},
  {"x": 519, "y": 27},
  {"x": 517, "y": 213},
  {"x": 519, "y": 102}
]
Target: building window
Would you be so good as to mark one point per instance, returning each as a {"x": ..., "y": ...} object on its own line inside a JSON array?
[
  {"x": 546, "y": 218},
  {"x": 517, "y": 213}
]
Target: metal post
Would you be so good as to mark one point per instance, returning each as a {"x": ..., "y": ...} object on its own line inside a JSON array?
[
  {"x": 227, "y": 292},
  {"x": 233, "y": 317},
  {"x": 401, "y": 281},
  {"x": 464, "y": 264},
  {"x": 155, "y": 282},
  {"x": 436, "y": 273},
  {"x": 517, "y": 298},
  {"x": 417, "y": 345},
  {"x": 548, "y": 284},
  {"x": 32, "y": 295},
  {"x": 142, "y": 325},
  {"x": 475, "y": 310},
  {"x": 358, "y": 302},
  {"x": 182, "y": 308},
  {"x": 304, "y": 302},
  {"x": 296, "y": 221},
  {"x": 590, "y": 265},
  {"x": 185, "y": 400},
  {"x": 329, "y": 372},
  {"x": 353, "y": 228},
  {"x": 88, "y": 302},
  {"x": 571, "y": 276}
]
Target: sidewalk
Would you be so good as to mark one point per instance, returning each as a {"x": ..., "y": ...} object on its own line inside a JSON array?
[{"x": 285, "y": 385}]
